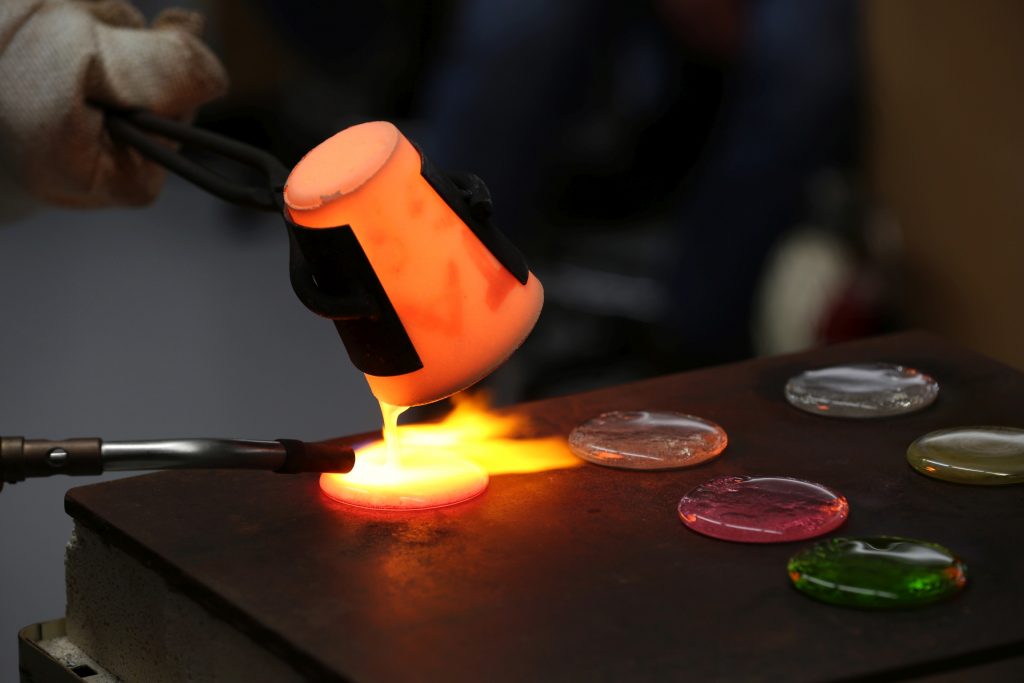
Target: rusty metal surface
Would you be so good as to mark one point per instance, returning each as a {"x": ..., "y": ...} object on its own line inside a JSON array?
[{"x": 587, "y": 574}]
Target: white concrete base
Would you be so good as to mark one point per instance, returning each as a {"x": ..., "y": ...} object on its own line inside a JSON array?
[{"x": 138, "y": 627}]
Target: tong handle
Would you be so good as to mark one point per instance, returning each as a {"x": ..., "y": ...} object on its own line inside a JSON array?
[{"x": 136, "y": 128}]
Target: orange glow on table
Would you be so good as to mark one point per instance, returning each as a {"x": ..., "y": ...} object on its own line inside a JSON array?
[{"x": 447, "y": 462}]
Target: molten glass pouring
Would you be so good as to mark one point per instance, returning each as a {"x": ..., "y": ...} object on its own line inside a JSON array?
[
  {"x": 426, "y": 466},
  {"x": 387, "y": 477}
]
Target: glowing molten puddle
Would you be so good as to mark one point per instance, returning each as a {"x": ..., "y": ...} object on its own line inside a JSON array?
[
  {"x": 434, "y": 465},
  {"x": 418, "y": 483}
]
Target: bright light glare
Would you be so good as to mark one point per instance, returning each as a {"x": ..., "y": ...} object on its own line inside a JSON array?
[{"x": 447, "y": 462}]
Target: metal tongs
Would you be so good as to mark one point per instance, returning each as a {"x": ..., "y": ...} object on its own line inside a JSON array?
[
  {"x": 22, "y": 458},
  {"x": 136, "y": 128}
]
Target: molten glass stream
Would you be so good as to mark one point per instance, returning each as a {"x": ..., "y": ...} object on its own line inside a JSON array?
[{"x": 390, "y": 432}]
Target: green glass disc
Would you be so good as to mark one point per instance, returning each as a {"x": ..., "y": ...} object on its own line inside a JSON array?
[
  {"x": 878, "y": 572},
  {"x": 971, "y": 455}
]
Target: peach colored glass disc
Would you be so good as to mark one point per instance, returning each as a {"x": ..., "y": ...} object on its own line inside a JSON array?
[
  {"x": 420, "y": 483},
  {"x": 647, "y": 440}
]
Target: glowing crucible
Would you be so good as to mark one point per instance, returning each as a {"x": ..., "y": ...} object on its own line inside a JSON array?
[{"x": 461, "y": 292}]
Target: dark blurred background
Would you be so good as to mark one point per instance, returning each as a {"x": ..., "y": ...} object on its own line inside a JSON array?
[{"x": 693, "y": 181}]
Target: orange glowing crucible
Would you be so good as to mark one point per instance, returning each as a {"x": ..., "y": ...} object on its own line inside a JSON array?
[{"x": 463, "y": 311}]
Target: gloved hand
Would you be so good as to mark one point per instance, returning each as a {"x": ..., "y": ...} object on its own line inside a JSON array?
[{"x": 59, "y": 56}]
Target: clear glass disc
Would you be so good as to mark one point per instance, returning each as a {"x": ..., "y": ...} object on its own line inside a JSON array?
[{"x": 862, "y": 390}]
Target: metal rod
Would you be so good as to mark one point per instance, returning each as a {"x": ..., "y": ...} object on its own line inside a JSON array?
[
  {"x": 22, "y": 458},
  {"x": 162, "y": 454}
]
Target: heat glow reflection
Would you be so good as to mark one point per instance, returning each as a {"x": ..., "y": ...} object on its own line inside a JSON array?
[{"x": 447, "y": 462}]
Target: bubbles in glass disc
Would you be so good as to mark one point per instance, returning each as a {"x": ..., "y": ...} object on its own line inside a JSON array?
[
  {"x": 862, "y": 390},
  {"x": 762, "y": 509},
  {"x": 645, "y": 440}
]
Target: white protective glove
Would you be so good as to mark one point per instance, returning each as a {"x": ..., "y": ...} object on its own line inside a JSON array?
[{"x": 56, "y": 56}]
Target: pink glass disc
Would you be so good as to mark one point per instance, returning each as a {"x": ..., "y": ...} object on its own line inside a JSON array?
[{"x": 762, "y": 509}]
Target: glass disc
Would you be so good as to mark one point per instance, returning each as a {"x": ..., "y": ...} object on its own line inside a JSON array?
[
  {"x": 880, "y": 572},
  {"x": 862, "y": 390},
  {"x": 971, "y": 455},
  {"x": 645, "y": 440},
  {"x": 420, "y": 482},
  {"x": 762, "y": 509}
]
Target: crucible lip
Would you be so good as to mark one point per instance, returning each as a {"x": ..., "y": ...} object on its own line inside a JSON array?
[{"x": 340, "y": 165}]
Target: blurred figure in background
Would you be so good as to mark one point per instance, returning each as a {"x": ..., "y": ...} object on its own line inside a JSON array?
[
  {"x": 770, "y": 91},
  {"x": 794, "y": 111}
]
